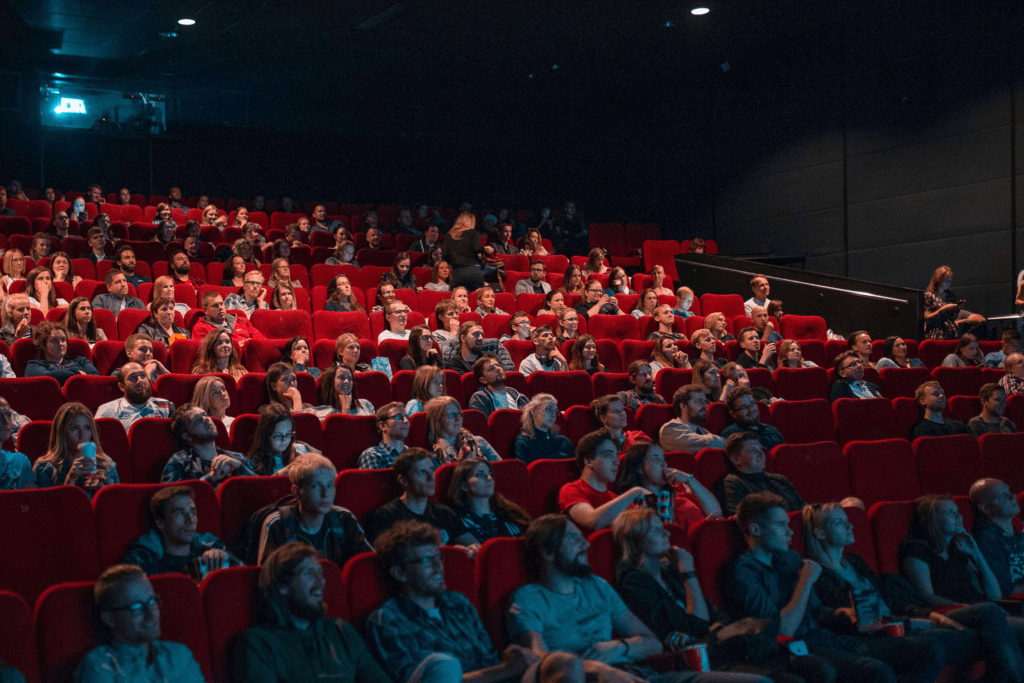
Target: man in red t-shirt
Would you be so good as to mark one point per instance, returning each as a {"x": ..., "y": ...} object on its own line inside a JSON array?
[
  {"x": 217, "y": 317},
  {"x": 589, "y": 501}
]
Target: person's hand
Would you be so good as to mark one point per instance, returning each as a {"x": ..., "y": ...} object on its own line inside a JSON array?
[
  {"x": 556, "y": 354},
  {"x": 769, "y": 327},
  {"x": 676, "y": 641},
  {"x": 301, "y": 356},
  {"x": 848, "y": 612},
  {"x": 609, "y": 674},
  {"x": 609, "y": 652},
  {"x": 676, "y": 477},
  {"x": 638, "y": 492},
  {"x": 154, "y": 367},
  {"x": 767, "y": 352},
  {"x": 223, "y": 466},
  {"x": 684, "y": 560},
  {"x": 472, "y": 550},
  {"x": 728, "y": 386},
  {"x": 261, "y": 298},
  {"x": 215, "y": 558},
  {"x": 82, "y": 467},
  {"x": 221, "y": 221},
  {"x": 942, "y": 621},
  {"x": 292, "y": 394},
  {"x": 517, "y": 659},
  {"x": 432, "y": 352},
  {"x": 810, "y": 571},
  {"x": 23, "y": 327}
]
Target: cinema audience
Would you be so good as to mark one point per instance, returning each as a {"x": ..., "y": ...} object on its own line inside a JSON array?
[
  {"x": 748, "y": 458},
  {"x": 493, "y": 393},
  {"x": 642, "y": 393},
  {"x": 932, "y": 399},
  {"x": 678, "y": 498},
  {"x": 51, "y": 343},
  {"x": 483, "y": 510}
]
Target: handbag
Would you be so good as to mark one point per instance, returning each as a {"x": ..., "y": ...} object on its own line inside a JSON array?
[{"x": 750, "y": 639}]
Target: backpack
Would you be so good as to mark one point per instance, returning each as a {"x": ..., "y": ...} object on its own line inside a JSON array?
[{"x": 249, "y": 546}]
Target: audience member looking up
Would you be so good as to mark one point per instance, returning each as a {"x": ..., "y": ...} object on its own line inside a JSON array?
[
  {"x": 200, "y": 458},
  {"x": 74, "y": 456},
  {"x": 138, "y": 400},
  {"x": 743, "y": 409},
  {"x": 546, "y": 356},
  {"x": 485, "y": 512},
  {"x": 761, "y": 289},
  {"x": 1002, "y": 546},
  {"x": 748, "y": 458},
  {"x": 932, "y": 399},
  {"x": 678, "y": 497},
  {"x": 493, "y": 394},
  {"x": 642, "y": 393},
  {"x": 684, "y": 433},
  {"x": 393, "y": 425},
  {"x": 117, "y": 297},
  {"x": 217, "y": 317},
  {"x": 991, "y": 419}
]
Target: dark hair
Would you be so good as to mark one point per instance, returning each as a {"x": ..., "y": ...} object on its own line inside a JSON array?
[
  {"x": 842, "y": 357},
  {"x": 734, "y": 444},
  {"x": 43, "y": 332},
  {"x": 988, "y": 391},
  {"x": 409, "y": 457},
  {"x": 414, "y": 351},
  {"x": 286, "y": 353},
  {"x": 158, "y": 503},
  {"x": 631, "y": 469},
  {"x": 588, "y": 445},
  {"x": 329, "y": 397},
  {"x": 576, "y": 362},
  {"x": 274, "y": 373},
  {"x": 121, "y": 249},
  {"x": 71, "y": 322},
  {"x": 753, "y": 508},
  {"x": 736, "y": 394},
  {"x": 683, "y": 395},
  {"x": 179, "y": 424},
  {"x": 271, "y": 415},
  {"x": 276, "y": 573},
  {"x": 459, "y": 497},
  {"x": 480, "y": 363},
  {"x": 392, "y": 545},
  {"x": 544, "y": 535},
  {"x": 852, "y": 338}
]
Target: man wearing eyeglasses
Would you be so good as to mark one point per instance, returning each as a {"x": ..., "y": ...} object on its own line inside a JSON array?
[
  {"x": 253, "y": 295},
  {"x": 393, "y": 425},
  {"x": 396, "y": 315},
  {"x": 851, "y": 384},
  {"x": 130, "y": 608},
  {"x": 536, "y": 284}
]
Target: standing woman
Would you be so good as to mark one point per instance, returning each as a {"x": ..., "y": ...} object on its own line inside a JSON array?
[
  {"x": 462, "y": 249},
  {"x": 486, "y": 513},
  {"x": 79, "y": 322},
  {"x": 65, "y": 463},
  {"x": 689, "y": 502},
  {"x": 338, "y": 394},
  {"x": 942, "y": 312}
]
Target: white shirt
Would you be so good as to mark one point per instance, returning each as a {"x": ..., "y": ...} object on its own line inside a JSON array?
[{"x": 388, "y": 334}]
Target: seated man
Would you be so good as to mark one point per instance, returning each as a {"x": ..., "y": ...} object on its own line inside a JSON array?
[
  {"x": 173, "y": 545},
  {"x": 217, "y": 317},
  {"x": 642, "y": 392},
  {"x": 313, "y": 517},
  {"x": 752, "y": 353},
  {"x": 181, "y": 270},
  {"x": 59, "y": 225},
  {"x": 932, "y": 399},
  {"x": 429, "y": 633},
  {"x": 744, "y": 411},
  {"x": 851, "y": 384},
  {"x": 504, "y": 243},
  {"x": 684, "y": 433},
  {"x": 97, "y": 242},
  {"x": 684, "y": 300},
  {"x": 546, "y": 355},
  {"x": 596, "y": 302},
  {"x": 393, "y": 426},
  {"x": 520, "y": 327},
  {"x": 765, "y": 325},
  {"x": 665, "y": 318},
  {"x": 761, "y": 289},
  {"x": 293, "y": 620},
  {"x": 253, "y": 295},
  {"x": 124, "y": 257},
  {"x": 4, "y": 209},
  {"x": 139, "y": 349},
  {"x": 1013, "y": 381},
  {"x": 138, "y": 400},
  {"x": 860, "y": 343},
  {"x": 174, "y": 199},
  {"x": 991, "y": 419},
  {"x": 570, "y": 612},
  {"x": 995, "y": 508},
  {"x": 117, "y": 298},
  {"x": 130, "y": 609},
  {"x": 415, "y": 472},
  {"x": 17, "y": 319},
  {"x": 471, "y": 340},
  {"x": 200, "y": 457},
  {"x": 747, "y": 457},
  {"x": 373, "y": 238},
  {"x": 1011, "y": 340},
  {"x": 493, "y": 394},
  {"x": 536, "y": 284},
  {"x": 770, "y": 581},
  {"x": 428, "y": 241},
  {"x": 320, "y": 221},
  {"x": 591, "y": 501},
  {"x": 385, "y": 295}
]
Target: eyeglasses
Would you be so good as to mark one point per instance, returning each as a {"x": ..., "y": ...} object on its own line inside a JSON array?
[
  {"x": 139, "y": 607},
  {"x": 253, "y": 282},
  {"x": 282, "y": 437},
  {"x": 401, "y": 417}
]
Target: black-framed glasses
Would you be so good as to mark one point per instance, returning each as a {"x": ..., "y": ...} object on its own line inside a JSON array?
[{"x": 139, "y": 606}]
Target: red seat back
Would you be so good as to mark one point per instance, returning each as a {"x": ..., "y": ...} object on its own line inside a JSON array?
[
  {"x": 37, "y": 397},
  {"x": 933, "y": 351},
  {"x": 92, "y": 390},
  {"x": 568, "y": 388},
  {"x": 959, "y": 381},
  {"x": 500, "y": 569},
  {"x": 714, "y": 543},
  {"x": 804, "y": 421},
  {"x": 881, "y": 470},
  {"x": 633, "y": 350},
  {"x": 801, "y": 384},
  {"x": 804, "y": 327},
  {"x": 18, "y": 648},
  {"x": 546, "y": 479},
  {"x": 652, "y": 416},
  {"x": 363, "y": 491},
  {"x": 348, "y": 436},
  {"x": 817, "y": 470},
  {"x": 240, "y": 497},
  {"x": 864, "y": 419},
  {"x": 729, "y": 304},
  {"x": 282, "y": 324},
  {"x": 1002, "y": 457},
  {"x": 948, "y": 464},
  {"x": 890, "y": 522},
  {"x": 615, "y": 327},
  {"x": 329, "y": 325}
]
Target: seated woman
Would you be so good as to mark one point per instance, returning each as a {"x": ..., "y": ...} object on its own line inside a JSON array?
[
  {"x": 297, "y": 352},
  {"x": 658, "y": 284},
  {"x": 163, "y": 214},
  {"x": 281, "y": 274},
  {"x": 554, "y": 303},
  {"x": 160, "y": 324},
  {"x": 584, "y": 356},
  {"x": 273, "y": 444},
  {"x": 704, "y": 342},
  {"x": 572, "y": 281},
  {"x": 165, "y": 232},
  {"x": 485, "y": 302},
  {"x": 428, "y": 383},
  {"x": 827, "y": 535},
  {"x": 347, "y": 351},
  {"x": 241, "y": 217},
  {"x": 667, "y": 354},
  {"x": 340, "y": 297},
  {"x": 51, "y": 342},
  {"x": 688, "y": 500},
  {"x": 218, "y": 355},
  {"x": 15, "y": 468},
  {"x": 283, "y": 299},
  {"x": 460, "y": 295},
  {"x": 646, "y": 304},
  {"x": 63, "y": 271},
  {"x": 533, "y": 243},
  {"x": 283, "y": 388},
  {"x": 718, "y": 325},
  {"x": 538, "y": 437},
  {"x": 212, "y": 218},
  {"x": 421, "y": 350},
  {"x": 396, "y": 315},
  {"x": 568, "y": 325},
  {"x": 776, "y": 309},
  {"x": 344, "y": 254},
  {"x": 595, "y": 263},
  {"x": 943, "y": 312},
  {"x": 80, "y": 324},
  {"x": 967, "y": 353},
  {"x": 234, "y": 272},
  {"x": 611, "y": 413},
  {"x": 400, "y": 276},
  {"x": 435, "y": 256},
  {"x": 618, "y": 283},
  {"x": 245, "y": 250},
  {"x": 446, "y": 437},
  {"x": 75, "y": 456},
  {"x": 440, "y": 278},
  {"x": 163, "y": 287},
  {"x": 282, "y": 249},
  {"x": 212, "y": 396},
  {"x": 338, "y": 394},
  {"x": 17, "y": 420},
  {"x": 40, "y": 290},
  {"x": 709, "y": 378},
  {"x": 14, "y": 268},
  {"x": 790, "y": 355},
  {"x": 733, "y": 375},
  {"x": 895, "y": 355},
  {"x": 485, "y": 513}
]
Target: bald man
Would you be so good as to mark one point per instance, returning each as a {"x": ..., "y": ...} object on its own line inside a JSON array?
[
  {"x": 995, "y": 506},
  {"x": 1013, "y": 381}
]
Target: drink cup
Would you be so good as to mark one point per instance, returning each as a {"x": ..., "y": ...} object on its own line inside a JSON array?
[
  {"x": 88, "y": 450},
  {"x": 895, "y": 629},
  {"x": 696, "y": 657}
]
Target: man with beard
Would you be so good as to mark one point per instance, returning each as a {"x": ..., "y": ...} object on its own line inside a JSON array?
[
  {"x": 373, "y": 238},
  {"x": 174, "y": 199},
  {"x": 504, "y": 243},
  {"x": 217, "y": 317},
  {"x": 295, "y": 641},
  {"x": 747, "y": 416},
  {"x": 493, "y": 394},
  {"x": 138, "y": 400},
  {"x": 130, "y": 608},
  {"x": 471, "y": 339},
  {"x": 432, "y": 635},
  {"x": 173, "y": 545},
  {"x": 642, "y": 392},
  {"x": 570, "y": 610},
  {"x": 851, "y": 384},
  {"x": 200, "y": 457},
  {"x": 180, "y": 268},
  {"x": 546, "y": 355},
  {"x": 752, "y": 353},
  {"x": 684, "y": 433},
  {"x": 536, "y": 284},
  {"x": 320, "y": 221},
  {"x": 59, "y": 225},
  {"x": 393, "y": 425},
  {"x": 139, "y": 349},
  {"x": 124, "y": 256},
  {"x": 117, "y": 297}
]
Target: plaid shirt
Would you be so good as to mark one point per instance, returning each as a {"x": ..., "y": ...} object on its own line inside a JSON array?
[
  {"x": 1012, "y": 384},
  {"x": 632, "y": 400},
  {"x": 403, "y": 634},
  {"x": 188, "y": 465},
  {"x": 377, "y": 457}
]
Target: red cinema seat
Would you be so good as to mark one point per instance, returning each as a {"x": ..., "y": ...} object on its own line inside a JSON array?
[
  {"x": 859, "y": 419},
  {"x": 660, "y": 252},
  {"x": 1002, "y": 457},
  {"x": 817, "y": 470},
  {"x": 363, "y": 491},
  {"x": 669, "y": 380},
  {"x": 495, "y": 325},
  {"x": 259, "y": 354},
  {"x": 504, "y": 424},
  {"x": 890, "y": 522},
  {"x": 652, "y": 416},
  {"x": 152, "y": 446},
  {"x": 518, "y": 349},
  {"x": 603, "y": 554},
  {"x": 240, "y": 497},
  {"x": 959, "y": 381},
  {"x": 864, "y": 539},
  {"x": 92, "y": 390},
  {"x": 529, "y": 302},
  {"x": 129, "y": 320},
  {"x": 804, "y": 421},
  {"x": 803, "y": 327},
  {"x": 546, "y": 479},
  {"x": 729, "y": 304},
  {"x": 330, "y": 325},
  {"x": 50, "y": 538},
  {"x": 347, "y": 436},
  {"x": 963, "y": 408},
  {"x": 948, "y": 464},
  {"x": 906, "y": 413},
  {"x": 714, "y": 542},
  {"x": 933, "y": 351},
  {"x": 881, "y": 470},
  {"x": 111, "y": 434},
  {"x": 500, "y": 569},
  {"x": 512, "y": 480},
  {"x": 632, "y": 350},
  {"x": 19, "y": 644},
  {"x": 579, "y": 421},
  {"x": 615, "y": 327},
  {"x": 183, "y": 355},
  {"x": 610, "y": 383},
  {"x": 282, "y": 324},
  {"x": 1015, "y": 410},
  {"x": 569, "y": 388},
  {"x": 801, "y": 384},
  {"x": 374, "y": 387},
  {"x": 37, "y": 397}
]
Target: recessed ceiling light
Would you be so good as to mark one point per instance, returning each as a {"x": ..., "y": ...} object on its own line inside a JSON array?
[
  {"x": 699, "y": 11},
  {"x": 186, "y": 22}
]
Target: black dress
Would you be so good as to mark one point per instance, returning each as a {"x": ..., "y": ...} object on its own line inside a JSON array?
[{"x": 462, "y": 255}]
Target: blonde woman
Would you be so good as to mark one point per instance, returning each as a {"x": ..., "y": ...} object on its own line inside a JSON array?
[
  {"x": 163, "y": 288},
  {"x": 14, "y": 268},
  {"x": 533, "y": 244},
  {"x": 538, "y": 437},
  {"x": 462, "y": 249},
  {"x": 718, "y": 326},
  {"x": 211, "y": 395},
  {"x": 68, "y": 461}
]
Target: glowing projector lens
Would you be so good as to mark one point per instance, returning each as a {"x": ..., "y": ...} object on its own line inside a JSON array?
[
  {"x": 699, "y": 11},
  {"x": 186, "y": 22}
]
